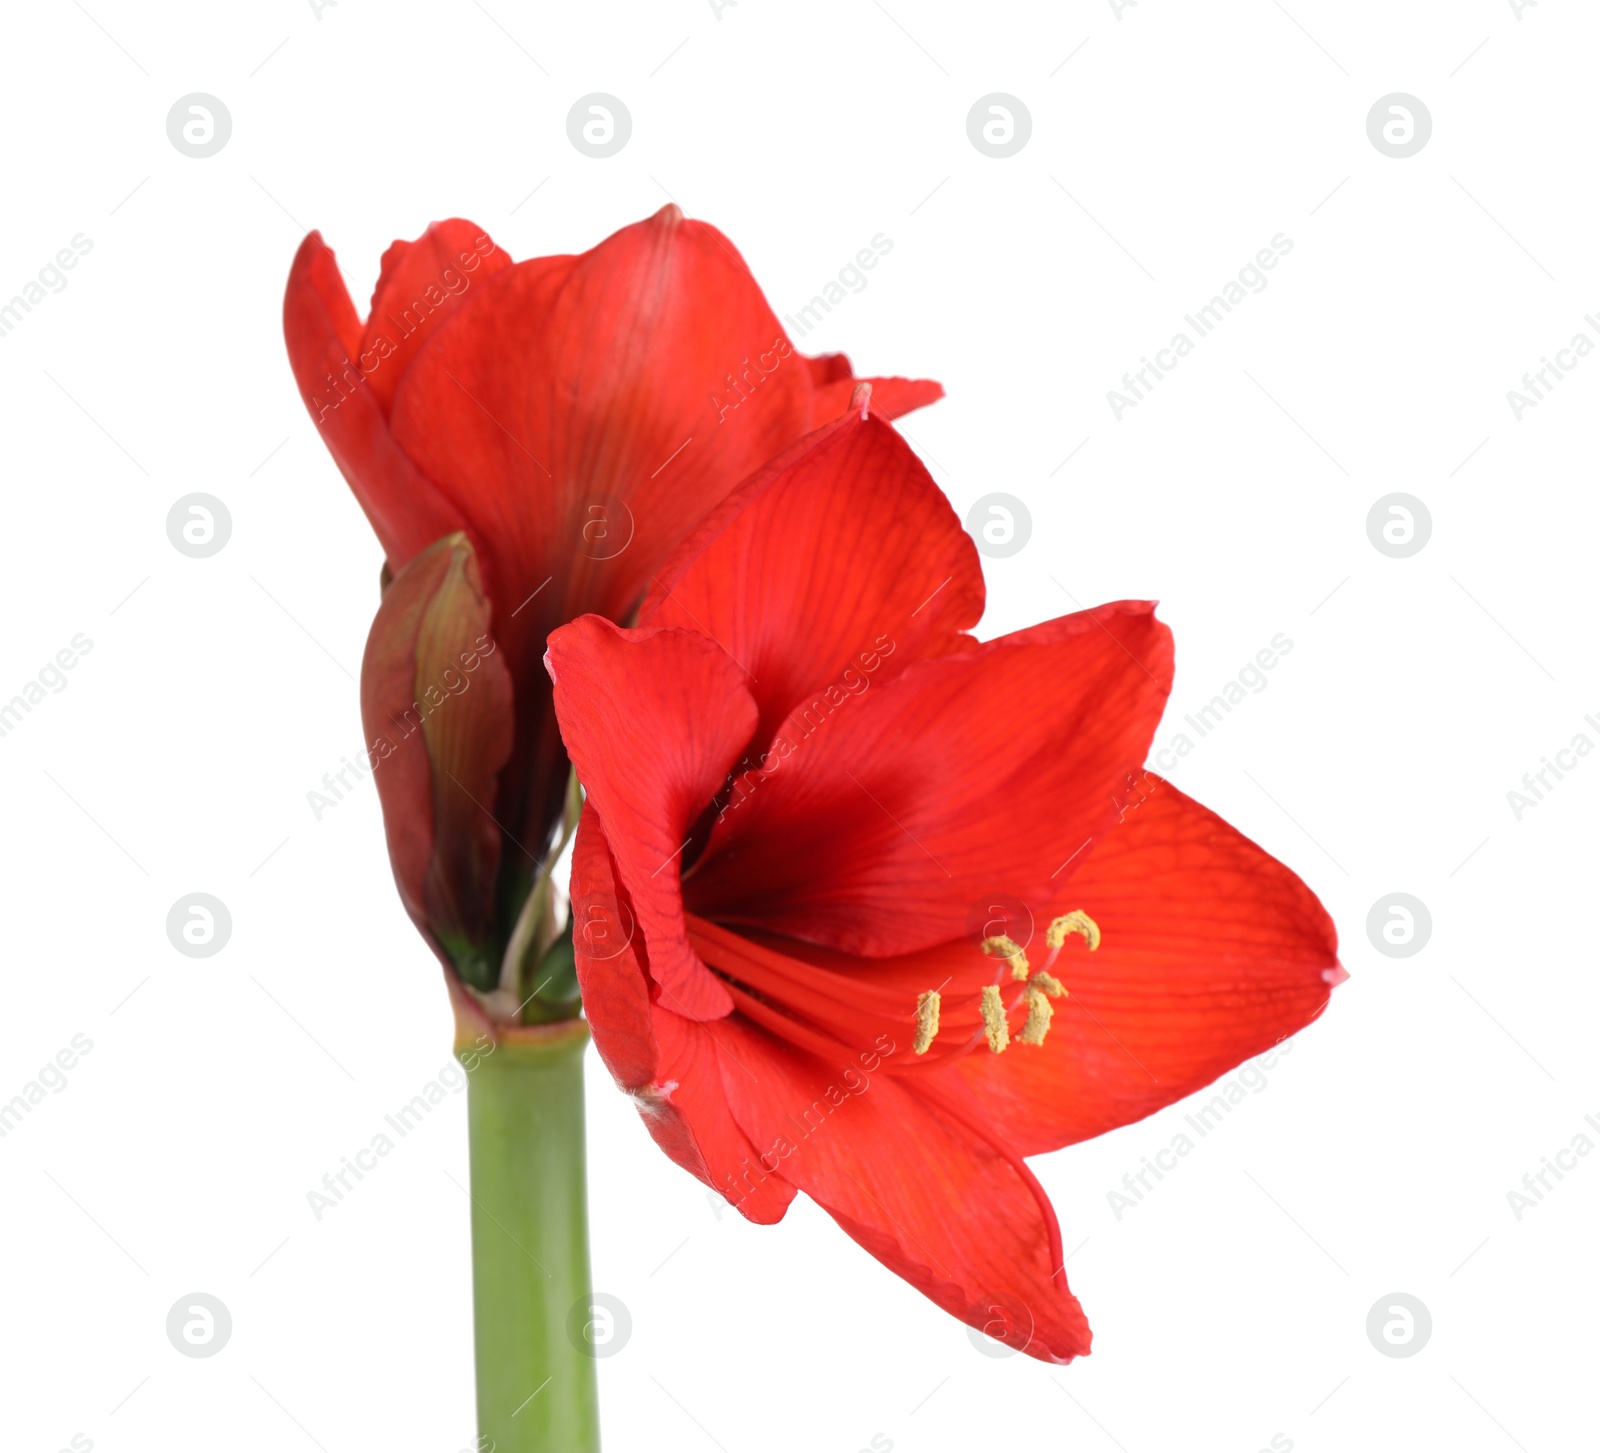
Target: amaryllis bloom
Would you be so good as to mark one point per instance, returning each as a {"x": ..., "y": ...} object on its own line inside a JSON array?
[
  {"x": 529, "y": 441},
  {"x": 873, "y": 911}
]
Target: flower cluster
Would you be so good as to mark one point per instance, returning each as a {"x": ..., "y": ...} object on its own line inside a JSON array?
[{"x": 856, "y": 907}]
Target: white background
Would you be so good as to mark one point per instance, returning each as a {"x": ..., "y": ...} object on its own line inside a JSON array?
[{"x": 1230, "y": 1305}]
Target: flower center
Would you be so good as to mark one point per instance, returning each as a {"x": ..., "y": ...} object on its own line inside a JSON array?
[{"x": 1040, "y": 987}]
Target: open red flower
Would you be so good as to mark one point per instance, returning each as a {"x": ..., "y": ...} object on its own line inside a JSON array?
[
  {"x": 529, "y": 441},
  {"x": 865, "y": 908}
]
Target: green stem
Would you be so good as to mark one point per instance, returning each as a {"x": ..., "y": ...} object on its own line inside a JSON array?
[{"x": 530, "y": 1241}]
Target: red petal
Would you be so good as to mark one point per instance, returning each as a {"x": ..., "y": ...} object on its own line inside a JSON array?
[
  {"x": 828, "y": 368},
  {"x": 672, "y": 1075},
  {"x": 609, "y": 955},
  {"x": 1211, "y": 952},
  {"x": 422, "y": 284},
  {"x": 617, "y": 414},
  {"x": 436, "y": 705},
  {"x": 653, "y": 720},
  {"x": 893, "y": 816},
  {"x": 939, "y": 1204},
  {"x": 837, "y": 565},
  {"x": 695, "y": 1060},
  {"x": 324, "y": 338}
]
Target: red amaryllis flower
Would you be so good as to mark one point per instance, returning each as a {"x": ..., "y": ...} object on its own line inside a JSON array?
[
  {"x": 529, "y": 441},
  {"x": 816, "y": 809}
]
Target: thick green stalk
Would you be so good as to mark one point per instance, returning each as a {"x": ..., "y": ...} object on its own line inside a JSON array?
[{"x": 530, "y": 1241}]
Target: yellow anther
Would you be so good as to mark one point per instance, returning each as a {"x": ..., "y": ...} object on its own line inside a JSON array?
[
  {"x": 927, "y": 1021},
  {"x": 1009, "y": 950},
  {"x": 1039, "y": 1012},
  {"x": 994, "y": 1019},
  {"x": 1075, "y": 922},
  {"x": 1048, "y": 984}
]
